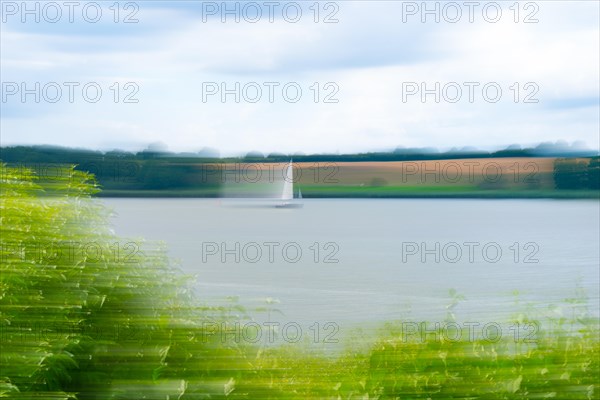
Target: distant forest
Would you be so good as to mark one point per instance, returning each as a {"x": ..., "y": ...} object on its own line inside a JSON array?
[{"x": 574, "y": 168}]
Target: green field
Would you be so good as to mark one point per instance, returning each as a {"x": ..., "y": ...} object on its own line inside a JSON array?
[{"x": 338, "y": 191}]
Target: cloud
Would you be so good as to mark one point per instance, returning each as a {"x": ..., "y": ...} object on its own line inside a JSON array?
[{"x": 368, "y": 56}]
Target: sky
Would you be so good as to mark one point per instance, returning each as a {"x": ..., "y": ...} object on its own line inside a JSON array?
[{"x": 305, "y": 76}]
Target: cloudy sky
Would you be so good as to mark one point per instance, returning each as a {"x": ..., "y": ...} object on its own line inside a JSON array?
[{"x": 343, "y": 76}]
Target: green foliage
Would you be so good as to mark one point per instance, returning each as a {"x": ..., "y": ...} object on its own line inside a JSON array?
[
  {"x": 577, "y": 173},
  {"x": 116, "y": 171},
  {"x": 75, "y": 321},
  {"x": 77, "y": 324},
  {"x": 594, "y": 173}
]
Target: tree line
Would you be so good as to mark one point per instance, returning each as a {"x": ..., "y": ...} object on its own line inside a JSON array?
[{"x": 153, "y": 170}]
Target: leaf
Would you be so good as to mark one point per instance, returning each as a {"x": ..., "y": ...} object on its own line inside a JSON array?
[
  {"x": 156, "y": 373},
  {"x": 229, "y": 387},
  {"x": 516, "y": 384}
]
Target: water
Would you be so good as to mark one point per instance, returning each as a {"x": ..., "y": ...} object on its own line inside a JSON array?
[{"x": 548, "y": 249}]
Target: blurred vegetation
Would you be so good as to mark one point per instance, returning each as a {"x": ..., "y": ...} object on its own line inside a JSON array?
[
  {"x": 75, "y": 322},
  {"x": 121, "y": 324},
  {"x": 146, "y": 171},
  {"x": 156, "y": 173},
  {"x": 578, "y": 174}
]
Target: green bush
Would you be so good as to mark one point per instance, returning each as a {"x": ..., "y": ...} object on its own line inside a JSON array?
[{"x": 83, "y": 310}]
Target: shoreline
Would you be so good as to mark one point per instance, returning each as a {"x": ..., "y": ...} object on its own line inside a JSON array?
[{"x": 369, "y": 194}]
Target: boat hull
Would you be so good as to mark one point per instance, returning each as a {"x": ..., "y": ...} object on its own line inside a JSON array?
[{"x": 289, "y": 205}]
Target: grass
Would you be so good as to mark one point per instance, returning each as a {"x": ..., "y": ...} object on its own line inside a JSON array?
[
  {"x": 339, "y": 191},
  {"x": 81, "y": 325},
  {"x": 447, "y": 191}
]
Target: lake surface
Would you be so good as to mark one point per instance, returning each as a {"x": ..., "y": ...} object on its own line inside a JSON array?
[{"x": 381, "y": 254}]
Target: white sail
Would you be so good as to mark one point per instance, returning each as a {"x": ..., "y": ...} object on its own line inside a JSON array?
[{"x": 288, "y": 184}]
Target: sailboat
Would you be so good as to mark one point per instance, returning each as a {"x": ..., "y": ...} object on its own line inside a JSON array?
[{"x": 287, "y": 196}]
